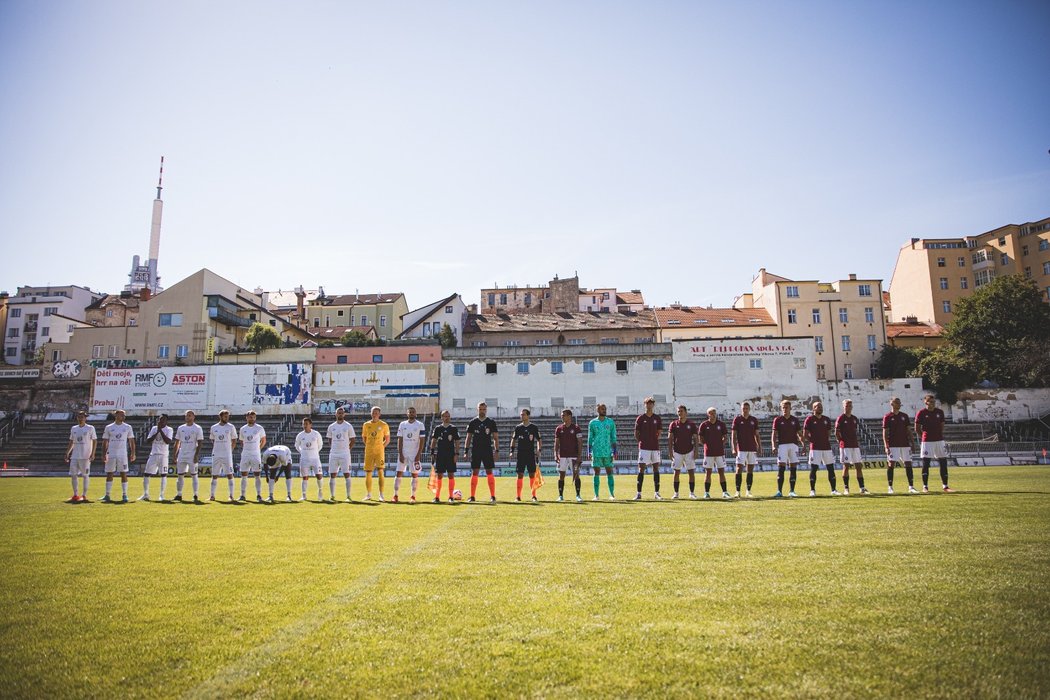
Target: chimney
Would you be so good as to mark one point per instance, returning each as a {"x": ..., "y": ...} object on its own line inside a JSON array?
[
  {"x": 853, "y": 276},
  {"x": 300, "y": 298},
  {"x": 145, "y": 294}
]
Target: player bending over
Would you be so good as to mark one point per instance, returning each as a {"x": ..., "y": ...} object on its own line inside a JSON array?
[{"x": 278, "y": 461}]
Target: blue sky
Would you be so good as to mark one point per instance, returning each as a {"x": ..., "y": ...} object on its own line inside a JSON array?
[{"x": 434, "y": 147}]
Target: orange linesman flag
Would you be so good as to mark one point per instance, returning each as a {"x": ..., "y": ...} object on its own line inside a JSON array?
[
  {"x": 432, "y": 484},
  {"x": 537, "y": 479}
]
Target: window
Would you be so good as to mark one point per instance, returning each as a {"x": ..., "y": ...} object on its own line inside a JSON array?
[
  {"x": 843, "y": 316},
  {"x": 492, "y": 299},
  {"x": 756, "y": 363},
  {"x": 1028, "y": 273},
  {"x": 170, "y": 320},
  {"x": 1046, "y": 268},
  {"x": 1024, "y": 250},
  {"x": 511, "y": 343},
  {"x": 590, "y": 401},
  {"x": 96, "y": 352},
  {"x": 459, "y": 403},
  {"x": 820, "y": 372},
  {"x": 610, "y": 341},
  {"x": 426, "y": 329},
  {"x": 864, "y": 290},
  {"x": 544, "y": 341},
  {"x": 869, "y": 314},
  {"x": 382, "y": 321},
  {"x": 588, "y": 366},
  {"x": 847, "y": 371},
  {"x": 792, "y": 291},
  {"x": 338, "y": 313},
  {"x": 800, "y": 363},
  {"x": 871, "y": 343},
  {"x": 845, "y": 343},
  {"x": 448, "y": 309},
  {"x": 557, "y": 402},
  {"x": 1002, "y": 240},
  {"x": 479, "y": 343},
  {"x": 792, "y": 316},
  {"x": 490, "y": 368},
  {"x": 946, "y": 307},
  {"x": 131, "y": 322},
  {"x": 646, "y": 339},
  {"x": 658, "y": 365},
  {"x": 413, "y": 357},
  {"x": 816, "y": 315},
  {"x": 48, "y": 310},
  {"x": 940, "y": 262},
  {"x": 114, "y": 351},
  {"x": 621, "y": 365},
  {"x": 983, "y": 277},
  {"x": 71, "y": 327},
  {"x": 317, "y": 322},
  {"x": 459, "y": 369},
  {"x": 962, "y": 261},
  {"x": 577, "y": 341},
  {"x": 182, "y": 351},
  {"x": 623, "y": 401},
  {"x": 528, "y": 299},
  {"x": 1044, "y": 244},
  {"x": 944, "y": 283},
  {"x": 12, "y": 351},
  {"x": 873, "y": 370},
  {"x": 13, "y": 332},
  {"x": 524, "y": 402},
  {"x": 109, "y": 313},
  {"x": 556, "y": 367},
  {"x": 17, "y": 313},
  {"x": 45, "y": 331},
  {"x": 364, "y": 320},
  {"x": 818, "y": 343},
  {"x": 340, "y": 359},
  {"x": 163, "y": 352},
  {"x": 523, "y": 368},
  {"x": 964, "y": 283},
  {"x": 1003, "y": 258},
  {"x": 377, "y": 358},
  {"x": 503, "y": 299}
]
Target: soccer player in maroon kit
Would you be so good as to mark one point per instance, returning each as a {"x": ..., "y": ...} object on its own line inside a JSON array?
[
  {"x": 817, "y": 431},
  {"x": 929, "y": 423},
  {"x": 787, "y": 436},
  {"x": 896, "y": 437},
  {"x": 846, "y": 428},
  {"x": 567, "y": 453},
  {"x": 713, "y": 433},
  {"x": 744, "y": 439},
  {"x": 647, "y": 429},
  {"x": 682, "y": 441}
]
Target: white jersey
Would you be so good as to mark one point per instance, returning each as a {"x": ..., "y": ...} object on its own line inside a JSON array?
[
  {"x": 410, "y": 432},
  {"x": 189, "y": 436},
  {"x": 222, "y": 438},
  {"x": 118, "y": 435},
  {"x": 340, "y": 434},
  {"x": 82, "y": 438},
  {"x": 251, "y": 438},
  {"x": 284, "y": 455},
  {"x": 159, "y": 447},
  {"x": 308, "y": 444}
]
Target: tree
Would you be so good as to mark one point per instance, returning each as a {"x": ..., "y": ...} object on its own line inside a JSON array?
[
  {"x": 945, "y": 372},
  {"x": 262, "y": 337},
  {"x": 354, "y": 339},
  {"x": 447, "y": 337},
  {"x": 1002, "y": 332},
  {"x": 898, "y": 362}
]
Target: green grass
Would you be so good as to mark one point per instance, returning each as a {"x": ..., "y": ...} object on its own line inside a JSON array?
[{"x": 904, "y": 596}]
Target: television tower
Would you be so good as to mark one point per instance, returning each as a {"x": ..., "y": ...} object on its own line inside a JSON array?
[{"x": 146, "y": 276}]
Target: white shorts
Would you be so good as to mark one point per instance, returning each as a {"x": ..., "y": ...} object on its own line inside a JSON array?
[
  {"x": 414, "y": 468},
  {"x": 565, "y": 464},
  {"x": 899, "y": 454},
  {"x": 683, "y": 461},
  {"x": 822, "y": 457},
  {"x": 338, "y": 464},
  {"x": 156, "y": 464},
  {"x": 714, "y": 462},
  {"x": 252, "y": 464},
  {"x": 182, "y": 466},
  {"x": 747, "y": 458},
  {"x": 648, "y": 456},
  {"x": 221, "y": 465},
  {"x": 933, "y": 450},
  {"x": 850, "y": 455},
  {"x": 310, "y": 466},
  {"x": 79, "y": 467},
  {"x": 117, "y": 464},
  {"x": 787, "y": 454}
]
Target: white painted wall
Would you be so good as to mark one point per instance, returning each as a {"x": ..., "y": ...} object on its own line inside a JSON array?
[{"x": 983, "y": 405}]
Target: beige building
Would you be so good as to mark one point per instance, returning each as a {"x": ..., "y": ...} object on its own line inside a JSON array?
[
  {"x": 679, "y": 322},
  {"x": 384, "y": 311},
  {"x": 562, "y": 328},
  {"x": 115, "y": 309},
  {"x": 932, "y": 274},
  {"x": 559, "y": 295},
  {"x": 844, "y": 318},
  {"x": 912, "y": 334}
]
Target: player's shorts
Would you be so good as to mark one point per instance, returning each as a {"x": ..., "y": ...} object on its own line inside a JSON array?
[
  {"x": 221, "y": 465},
  {"x": 714, "y": 462},
  {"x": 79, "y": 467},
  {"x": 156, "y": 464},
  {"x": 414, "y": 467},
  {"x": 374, "y": 460},
  {"x": 747, "y": 458},
  {"x": 850, "y": 455},
  {"x": 273, "y": 472},
  {"x": 649, "y": 457},
  {"x": 117, "y": 464},
  {"x": 445, "y": 464},
  {"x": 823, "y": 457},
  {"x": 933, "y": 450},
  {"x": 681, "y": 461},
  {"x": 602, "y": 462},
  {"x": 183, "y": 466},
  {"x": 566, "y": 464},
  {"x": 338, "y": 464},
  {"x": 479, "y": 459},
  {"x": 251, "y": 464},
  {"x": 525, "y": 463},
  {"x": 787, "y": 454},
  {"x": 899, "y": 454},
  {"x": 310, "y": 466}
]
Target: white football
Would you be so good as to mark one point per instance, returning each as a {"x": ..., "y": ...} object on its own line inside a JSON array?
[{"x": 457, "y": 495}]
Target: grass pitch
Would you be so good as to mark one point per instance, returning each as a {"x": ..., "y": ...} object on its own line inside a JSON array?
[{"x": 903, "y": 596}]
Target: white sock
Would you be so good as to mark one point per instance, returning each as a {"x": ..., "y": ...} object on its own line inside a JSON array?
[
  {"x": 179, "y": 481},
  {"x": 320, "y": 497},
  {"x": 75, "y": 485},
  {"x": 196, "y": 485},
  {"x": 124, "y": 488},
  {"x": 397, "y": 483},
  {"x": 244, "y": 485},
  {"x": 288, "y": 484},
  {"x": 272, "y": 483},
  {"x": 230, "y": 482},
  {"x": 331, "y": 487},
  {"x": 214, "y": 483},
  {"x": 83, "y": 491},
  {"x": 304, "y": 487},
  {"x": 415, "y": 484},
  {"x": 347, "y": 488},
  {"x": 145, "y": 485},
  {"x": 109, "y": 487},
  {"x": 258, "y": 485},
  {"x": 163, "y": 485}
]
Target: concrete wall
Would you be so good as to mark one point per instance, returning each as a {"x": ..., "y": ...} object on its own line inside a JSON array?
[
  {"x": 268, "y": 356},
  {"x": 982, "y": 405},
  {"x": 394, "y": 387}
]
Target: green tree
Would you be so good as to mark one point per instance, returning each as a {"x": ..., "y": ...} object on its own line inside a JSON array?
[
  {"x": 262, "y": 337},
  {"x": 898, "y": 362},
  {"x": 1002, "y": 332},
  {"x": 326, "y": 343},
  {"x": 447, "y": 337},
  {"x": 946, "y": 372},
  {"x": 354, "y": 339}
]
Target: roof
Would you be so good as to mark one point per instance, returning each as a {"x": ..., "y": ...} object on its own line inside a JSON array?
[
  {"x": 913, "y": 330},
  {"x": 130, "y": 301},
  {"x": 691, "y": 317},
  {"x": 559, "y": 321},
  {"x": 356, "y": 299},
  {"x": 286, "y": 299},
  {"x": 629, "y": 298},
  {"x": 427, "y": 311},
  {"x": 336, "y": 332}
]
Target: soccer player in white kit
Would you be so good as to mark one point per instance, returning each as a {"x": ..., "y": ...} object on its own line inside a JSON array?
[
  {"x": 341, "y": 438},
  {"x": 223, "y": 436},
  {"x": 409, "y": 452},
  {"x": 278, "y": 460},
  {"x": 81, "y": 450},
  {"x": 118, "y": 446},
  {"x": 189, "y": 438},
  {"x": 308, "y": 444},
  {"x": 253, "y": 440},
  {"x": 159, "y": 438}
]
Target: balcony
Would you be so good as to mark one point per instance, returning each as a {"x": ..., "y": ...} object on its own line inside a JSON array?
[{"x": 221, "y": 315}]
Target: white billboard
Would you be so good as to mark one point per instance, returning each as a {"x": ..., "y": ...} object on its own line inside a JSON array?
[{"x": 157, "y": 389}]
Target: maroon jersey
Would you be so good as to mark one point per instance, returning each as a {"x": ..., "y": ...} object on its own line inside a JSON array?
[
  {"x": 930, "y": 424},
  {"x": 682, "y": 436},
  {"x": 846, "y": 427},
  {"x": 819, "y": 429},
  {"x": 714, "y": 437},
  {"x": 567, "y": 437},
  {"x": 895, "y": 426},
  {"x": 746, "y": 430},
  {"x": 649, "y": 429},
  {"x": 786, "y": 430}
]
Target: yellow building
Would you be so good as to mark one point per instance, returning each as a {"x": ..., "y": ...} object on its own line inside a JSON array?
[
  {"x": 932, "y": 274},
  {"x": 384, "y": 311}
]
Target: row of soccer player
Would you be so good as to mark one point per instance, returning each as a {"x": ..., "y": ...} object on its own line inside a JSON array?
[{"x": 684, "y": 437}]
